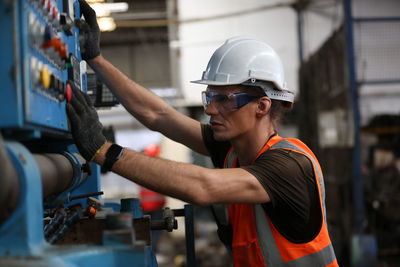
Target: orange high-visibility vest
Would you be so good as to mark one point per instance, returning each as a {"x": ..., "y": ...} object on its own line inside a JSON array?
[{"x": 257, "y": 242}]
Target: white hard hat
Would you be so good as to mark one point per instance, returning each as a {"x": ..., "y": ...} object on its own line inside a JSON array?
[{"x": 247, "y": 61}]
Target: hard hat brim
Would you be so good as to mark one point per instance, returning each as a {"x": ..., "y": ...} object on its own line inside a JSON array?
[{"x": 208, "y": 82}]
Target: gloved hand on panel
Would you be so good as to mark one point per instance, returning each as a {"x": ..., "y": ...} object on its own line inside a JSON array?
[
  {"x": 91, "y": 31},
  {"x": 85, "y": 125}
]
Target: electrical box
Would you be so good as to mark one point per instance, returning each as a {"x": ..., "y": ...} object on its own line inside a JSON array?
[{"x": 41, "y": 61}]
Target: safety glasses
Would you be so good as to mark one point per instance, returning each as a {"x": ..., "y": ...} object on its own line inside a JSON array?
[{"x": 228, "y": 102}]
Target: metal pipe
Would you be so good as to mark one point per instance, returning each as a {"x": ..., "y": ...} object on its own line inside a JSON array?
[
  {"x": 358, "y": 190},
  {"x": 189, "y": 233},
  {"x": 56, "y": 172},
  {"x": 57, "y": 175}
]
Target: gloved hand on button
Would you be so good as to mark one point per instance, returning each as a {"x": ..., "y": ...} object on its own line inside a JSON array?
[{"x": 86, "y": 128}]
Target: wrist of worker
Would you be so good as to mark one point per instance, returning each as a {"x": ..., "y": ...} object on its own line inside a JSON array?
[
  {"x": 96, "y": 60},
  {"x": 100, "y": 154}
]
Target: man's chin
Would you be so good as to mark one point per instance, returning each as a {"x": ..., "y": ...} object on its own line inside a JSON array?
[{"x": 220, "y": 137}]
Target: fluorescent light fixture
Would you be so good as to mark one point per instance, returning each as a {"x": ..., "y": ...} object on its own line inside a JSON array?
[
  {"x": 94, "y": 1},
  {"x": 105, "y": 9},
  {"x": 106, "y": 24}
]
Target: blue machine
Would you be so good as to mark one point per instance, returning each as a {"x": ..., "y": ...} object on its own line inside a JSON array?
[{"x": 41, "y": 61}]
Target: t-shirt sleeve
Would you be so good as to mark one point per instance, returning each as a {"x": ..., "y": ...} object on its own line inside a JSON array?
[
  {"x": 280, "y": 175},
  {"x": 216, "y": 149},
  {"x": 288, "y": 178}
]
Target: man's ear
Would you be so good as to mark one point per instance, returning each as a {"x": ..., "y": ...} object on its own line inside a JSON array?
[{"x": 263, "y": 107}]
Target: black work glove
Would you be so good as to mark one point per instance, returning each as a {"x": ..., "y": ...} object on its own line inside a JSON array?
[
  {"x": 91, "y": 31},
  {"x": 85, "y": 125}
]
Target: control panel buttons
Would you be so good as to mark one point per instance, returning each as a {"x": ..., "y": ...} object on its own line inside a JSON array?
[
  {"x": 45, "y": 33},
  {"x": 45, "y": 78},
  {"x": 63, "y": 51},
  {"x": 61, "y": 89},
  {"x": 35, "y": 71},
  {"x": 36, "y": 31},
  {"x": 53, "y": 82},
  {"x": 68, "y": 92},
  {"x": 54, "y": 13},
  {"x": 52, "y": 42}
]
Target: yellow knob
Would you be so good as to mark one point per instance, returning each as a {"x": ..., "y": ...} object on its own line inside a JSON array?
[{"x": 45, "y": 77}]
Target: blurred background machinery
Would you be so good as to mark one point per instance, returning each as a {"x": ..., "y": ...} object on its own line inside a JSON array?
[{"x": 349, "y": 110}]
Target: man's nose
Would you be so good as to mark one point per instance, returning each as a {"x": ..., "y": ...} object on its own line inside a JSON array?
[{"x": 211, "y": 108}]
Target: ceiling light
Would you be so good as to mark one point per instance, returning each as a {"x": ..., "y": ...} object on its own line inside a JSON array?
[
  {"x": 106, "y": 24},
  {"x": 94, "y": 1},
  {"x": 104, "y": 9}
]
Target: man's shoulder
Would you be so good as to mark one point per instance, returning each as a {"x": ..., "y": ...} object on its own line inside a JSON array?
[{"x": 286, "y": 157}]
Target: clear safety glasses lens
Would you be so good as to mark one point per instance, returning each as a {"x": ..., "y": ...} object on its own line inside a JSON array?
[{"x": 227, "y": 102}]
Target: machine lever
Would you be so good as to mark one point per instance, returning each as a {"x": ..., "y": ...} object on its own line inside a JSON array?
[{"x": 87, "y": 195}]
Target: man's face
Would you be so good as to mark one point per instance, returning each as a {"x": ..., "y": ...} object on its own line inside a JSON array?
[{"x": 231, "y": 111}]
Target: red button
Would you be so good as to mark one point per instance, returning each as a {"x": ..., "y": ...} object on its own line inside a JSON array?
[
  {"x": 68, "y": 92},
  {"x": 54, "y": 13},
  {"x": 63, "y": 51},
  {"x": 49, "y": 5},
  {"x": 54, "y": 42}
]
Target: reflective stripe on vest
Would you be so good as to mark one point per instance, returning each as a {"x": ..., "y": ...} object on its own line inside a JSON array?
[
  {"x": 272, "y": 256},
  {"x": 271, "y": 253}
]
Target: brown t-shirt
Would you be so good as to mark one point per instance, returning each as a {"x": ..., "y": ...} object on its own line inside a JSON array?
[{"x": 288, "y": 178}]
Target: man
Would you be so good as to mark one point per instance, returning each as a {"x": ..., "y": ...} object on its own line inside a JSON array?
[{"x": 273, "y": 186}]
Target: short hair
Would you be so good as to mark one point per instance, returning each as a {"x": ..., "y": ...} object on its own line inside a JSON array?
[{"x": 278, "y": 107}]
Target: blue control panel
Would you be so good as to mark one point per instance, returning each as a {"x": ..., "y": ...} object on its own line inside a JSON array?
[{"x": 41, "y": 61}]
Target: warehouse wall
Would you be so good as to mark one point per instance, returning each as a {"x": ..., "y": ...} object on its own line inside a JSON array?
[{"x": 147, "y": 63}]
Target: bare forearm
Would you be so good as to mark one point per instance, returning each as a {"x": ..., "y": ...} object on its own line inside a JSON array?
[
  {"x": 179, "y": 180},
  {"x": 148, "y": 108},
  {"x": 139, "y": 101},
  {"x": 188, "y": 182}
]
